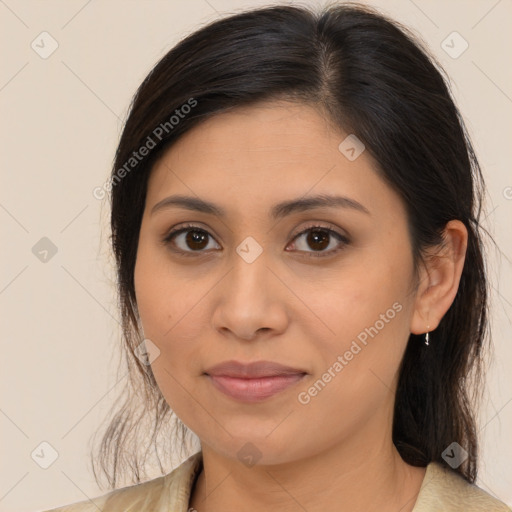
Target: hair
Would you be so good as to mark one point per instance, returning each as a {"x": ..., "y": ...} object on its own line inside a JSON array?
[{"x": 371, "y": 77}]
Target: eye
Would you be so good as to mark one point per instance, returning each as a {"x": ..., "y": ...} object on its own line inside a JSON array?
[
  {"x": 189, "y": 239},
  {"x": 324, "y": 241}
]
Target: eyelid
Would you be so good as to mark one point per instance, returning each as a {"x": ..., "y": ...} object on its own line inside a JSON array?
[
  {"x": 183, "y": 228},
  {"x": 344, "y": 239},
  {"x": 333, "y": 230},
  {"x": 327, "y": 226}
]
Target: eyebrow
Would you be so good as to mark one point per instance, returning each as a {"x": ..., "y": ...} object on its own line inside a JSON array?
[{"x": 279, "y": 210}]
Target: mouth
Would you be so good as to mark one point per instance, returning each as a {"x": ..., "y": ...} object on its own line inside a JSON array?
[{"x": 253, "y": 382}]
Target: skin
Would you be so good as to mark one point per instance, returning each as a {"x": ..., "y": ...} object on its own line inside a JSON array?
[{"x": 335, "y": 452}]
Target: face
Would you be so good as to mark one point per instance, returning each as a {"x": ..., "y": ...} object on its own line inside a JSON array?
[{"x": 321, "y": 288}]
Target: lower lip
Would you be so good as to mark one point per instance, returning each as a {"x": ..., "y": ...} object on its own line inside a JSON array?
[{"x": 254, "y": 390}]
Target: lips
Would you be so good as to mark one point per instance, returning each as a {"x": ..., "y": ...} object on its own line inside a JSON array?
[
  {"x": 253, "y": 382},
  {"x": 252, "y": 370}
]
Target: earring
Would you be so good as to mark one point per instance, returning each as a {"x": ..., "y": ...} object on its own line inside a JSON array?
[{"x": 426, "y": 335}]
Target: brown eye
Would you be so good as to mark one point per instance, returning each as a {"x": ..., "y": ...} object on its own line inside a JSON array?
[
  {"x": 315, "y": 241},
  {"x": 319, "y": 241},
  {"x": 196, "y": 240},
  {"x": 189, "y": 239}
]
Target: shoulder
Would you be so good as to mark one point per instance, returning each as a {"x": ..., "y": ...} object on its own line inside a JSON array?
[
  {"x": 168, "y": 492},
  {"x": 444, "y": 489}
]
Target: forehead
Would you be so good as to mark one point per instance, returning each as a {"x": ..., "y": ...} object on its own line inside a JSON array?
[
  {"x": 262, "y": 154},
  {"x": 262, "y": 132}
]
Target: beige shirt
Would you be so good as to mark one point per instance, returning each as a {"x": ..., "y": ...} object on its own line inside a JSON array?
[{"x": 442, "y": 490}]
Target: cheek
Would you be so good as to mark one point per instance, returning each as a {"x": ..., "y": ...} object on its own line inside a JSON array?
[
  {"x": 173, "y": 316},
  {"x": 359, "y": 294},
  {"x": 366, "y": 309},
  {"x": 356, "y": 366},
  {"x": 169, "y": 314},
  {"x": 161, "y": 295},
  {"x": 170, "y": 308}
]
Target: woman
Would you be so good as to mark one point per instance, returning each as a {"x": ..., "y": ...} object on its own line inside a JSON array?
[{"x": 295, "y": 207}]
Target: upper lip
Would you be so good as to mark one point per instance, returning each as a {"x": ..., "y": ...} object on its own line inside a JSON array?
[{"x": 253, "y": 370}]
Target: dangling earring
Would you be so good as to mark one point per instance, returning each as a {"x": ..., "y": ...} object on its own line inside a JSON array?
[{"x": 426, "y": 335}]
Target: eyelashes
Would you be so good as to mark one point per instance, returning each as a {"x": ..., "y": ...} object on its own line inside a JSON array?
[
  {"x": 318, "y": 235},
  {"x": 169, "y": 239}
]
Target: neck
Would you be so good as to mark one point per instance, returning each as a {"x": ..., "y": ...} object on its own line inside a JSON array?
[{"x": 352, "y": 476}]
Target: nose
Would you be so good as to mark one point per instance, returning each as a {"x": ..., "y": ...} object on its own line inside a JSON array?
[{"x": 251, "y": 301}]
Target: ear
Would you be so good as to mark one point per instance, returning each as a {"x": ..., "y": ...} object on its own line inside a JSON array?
[{"x": 439, "y": 278}]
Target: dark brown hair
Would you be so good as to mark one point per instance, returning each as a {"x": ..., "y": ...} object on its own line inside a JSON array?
[{"x": 372, "y": 78}]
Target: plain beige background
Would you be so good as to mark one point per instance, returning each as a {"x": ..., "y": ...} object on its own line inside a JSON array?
[{"x": 61, "y": 118}]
